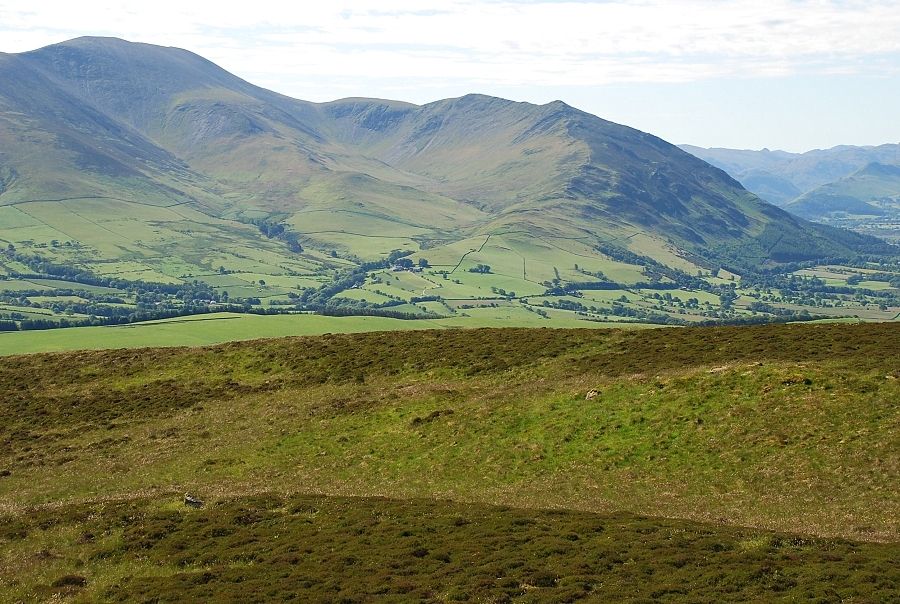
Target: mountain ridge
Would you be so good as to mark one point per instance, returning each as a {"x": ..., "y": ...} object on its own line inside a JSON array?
[
  {"x": 202, "y": 136},
  {"x": 830, "y": 186},
  {"x": 803, "y": 172},
  {"x": 872, "y": 190}
]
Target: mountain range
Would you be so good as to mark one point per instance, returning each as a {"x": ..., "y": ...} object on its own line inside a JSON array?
[
  {"x": 854, "y": 187},
  {"x": 103, "y": 142}
]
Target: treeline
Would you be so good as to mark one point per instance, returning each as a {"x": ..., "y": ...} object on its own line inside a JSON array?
[
  {"x": 156, "y": 301},
  {"x": 789, "y": 248},
  {"x": 618, "y": 309},
  {"x": 814, "y": 285},
  {"x": 43, "y": 268},
  {"x": 362, "y": 311},
  {"x": 319, "y": 298},
  {"x": 135, "y": 317}
]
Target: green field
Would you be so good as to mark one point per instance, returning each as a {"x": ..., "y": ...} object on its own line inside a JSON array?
[
  {"x": 233, "y": 199},
  {"x": 740, "y": 463},
  {"x": 201, "y": 330},
  {"x": 144, "y": 243}
]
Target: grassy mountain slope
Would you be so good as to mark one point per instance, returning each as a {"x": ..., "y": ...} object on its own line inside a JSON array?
[
  {"x": 57, "y": 146},
  {"x": 260, "y": 144},
  {"x": 547, "y": 168},
  {"x": 76, "y": 171},
  {"x": 786, "y": 428},
  {"x": 558, "y": 171},
  {"x": 143, "y": 163}
]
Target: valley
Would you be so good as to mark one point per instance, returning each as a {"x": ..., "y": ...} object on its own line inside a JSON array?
[{"x": 204, "y": 194}]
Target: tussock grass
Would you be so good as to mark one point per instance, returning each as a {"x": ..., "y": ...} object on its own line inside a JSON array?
[
  {"x": 337, "y": 549},
  {"x": 792, "y": 429}
]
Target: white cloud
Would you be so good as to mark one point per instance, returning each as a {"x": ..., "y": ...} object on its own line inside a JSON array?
[{"x": 317, "y": 49}]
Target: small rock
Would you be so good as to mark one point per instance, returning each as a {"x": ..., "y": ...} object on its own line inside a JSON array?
[{"x": 193, "y": 502}]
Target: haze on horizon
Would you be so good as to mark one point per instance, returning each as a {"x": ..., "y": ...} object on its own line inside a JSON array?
[{"x": 792, "y": 75}]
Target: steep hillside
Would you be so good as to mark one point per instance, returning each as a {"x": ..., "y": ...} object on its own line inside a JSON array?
[
  {"x": 558, "y": 171},
  {"x": 56, "y": 145}
]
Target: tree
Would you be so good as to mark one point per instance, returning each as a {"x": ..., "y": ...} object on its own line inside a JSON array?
[
  {"x": 423, "y": 262},
  {"x": 480, "y": 268}
]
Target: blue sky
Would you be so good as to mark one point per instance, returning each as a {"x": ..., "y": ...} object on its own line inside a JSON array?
[{"x": 787, "y": 74}]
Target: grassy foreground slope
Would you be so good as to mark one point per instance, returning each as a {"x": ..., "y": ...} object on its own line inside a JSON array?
[
  {"x": 785, "y": 428},
  {"x": 336, "y": 549}
]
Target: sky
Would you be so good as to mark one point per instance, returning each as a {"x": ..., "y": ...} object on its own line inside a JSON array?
[{"x": 780, "y": 74}]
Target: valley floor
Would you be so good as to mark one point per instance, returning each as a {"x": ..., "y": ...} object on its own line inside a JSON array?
[{"x": 216, "y": 328}]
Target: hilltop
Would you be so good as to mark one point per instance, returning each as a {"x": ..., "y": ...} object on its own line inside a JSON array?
[{"x": 698, "y": 463}]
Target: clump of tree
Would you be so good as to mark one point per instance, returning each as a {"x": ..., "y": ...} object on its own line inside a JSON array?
[
  {"x": 278, "y": 230},
  {"x": 480, "y": 268}
]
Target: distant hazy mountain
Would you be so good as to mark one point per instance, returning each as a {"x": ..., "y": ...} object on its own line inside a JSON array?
[
  {"x": 163, "y": 126},
  {"x": 851, "y": 187},
  {"x": 872, "y": 191},
  {"x": 779, "y": 177}
]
